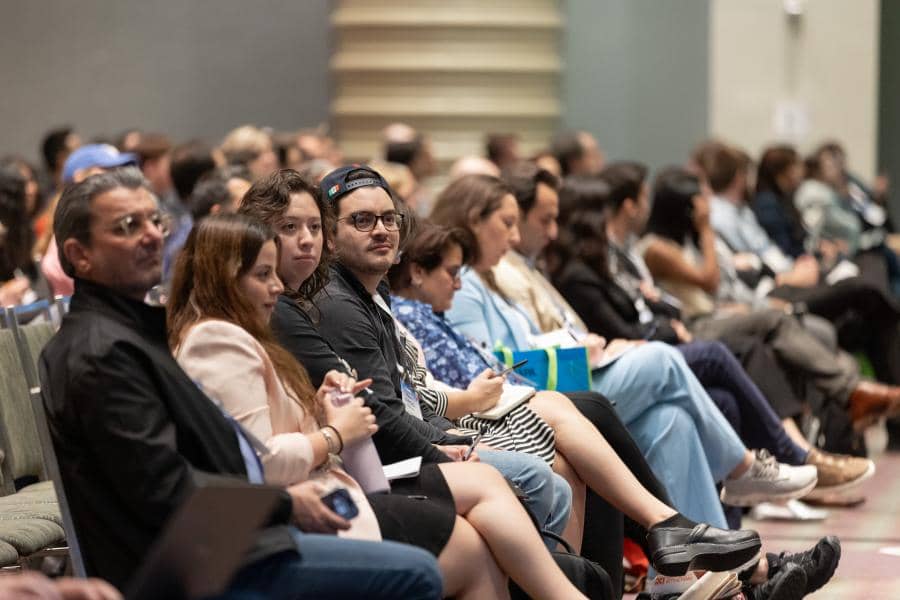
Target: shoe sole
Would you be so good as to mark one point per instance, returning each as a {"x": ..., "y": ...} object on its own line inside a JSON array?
[
  {"x": 759, "y": 497},
  {"x": 791, "y": 586},
  {"x": 675, "y": 561},
  {"x": 820, "y": 492}
]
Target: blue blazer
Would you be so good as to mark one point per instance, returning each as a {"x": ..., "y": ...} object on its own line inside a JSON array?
[{"x": 486, "y": 317}]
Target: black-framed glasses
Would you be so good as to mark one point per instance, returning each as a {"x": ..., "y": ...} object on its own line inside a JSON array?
[
  {"x": 365, "y": 221},
  {"x": 132, "y": 223}
]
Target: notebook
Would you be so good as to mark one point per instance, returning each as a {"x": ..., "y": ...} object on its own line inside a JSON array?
[
  {"x": 202, "y": 545},
  {"x": 512, "y": 397}
]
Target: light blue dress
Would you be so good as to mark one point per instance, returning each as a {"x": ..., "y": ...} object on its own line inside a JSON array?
[{"x": 683, "y": 436}]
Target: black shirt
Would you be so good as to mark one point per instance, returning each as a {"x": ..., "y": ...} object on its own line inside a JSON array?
[{"x": 133, "y": 434}]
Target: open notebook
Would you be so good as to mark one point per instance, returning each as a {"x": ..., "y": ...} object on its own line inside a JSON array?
[{"x": 513, "y": 396}]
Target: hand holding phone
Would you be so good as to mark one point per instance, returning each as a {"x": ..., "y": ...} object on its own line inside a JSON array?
[{"x": 341, "y": 504}]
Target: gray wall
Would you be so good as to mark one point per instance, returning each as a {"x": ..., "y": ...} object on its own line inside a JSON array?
[
  {"x": 183, "y": 67},
  {"x": 637, "y": 76},
  {"x": 889, "y": 102}
]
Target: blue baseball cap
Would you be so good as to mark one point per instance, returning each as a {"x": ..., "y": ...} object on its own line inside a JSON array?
[
  {"x": 334, "y": 186},
  {"x": 96, "y": 155}
]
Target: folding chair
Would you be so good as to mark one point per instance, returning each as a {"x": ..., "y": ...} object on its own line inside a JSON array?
[{"x": 30, "y": 519}]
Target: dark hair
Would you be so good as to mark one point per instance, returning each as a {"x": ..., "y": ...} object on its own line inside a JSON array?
[
  {"x": 567, "y": 148},
  {"x": 15, "y": 247},
  {"x": 523, "y": 180},
  {"x": 578, "y": 193},
  {"x": 721, "y": 165},
  {"x": 218, "y": 252},
  {"x": 624, "y": 179},
  {"x": 427, "y": 249},
  {"x": 20, "y": 164},
  {"x": 404, "y": 152},
  {"x": 584, "y": 238},
  {"x": 53, "y": 145},
  {"x": 190, "y": 161},
  {"x": 673, "y": 205},
  {"x": 72, "y": 218},
  {"x": 497, "y": 146},
  {"x": 211, "y": 190},
  {"x": 269, "y": 198},
  {"x": 775, "y": 160},
  {"x": 467, "y": 199}
]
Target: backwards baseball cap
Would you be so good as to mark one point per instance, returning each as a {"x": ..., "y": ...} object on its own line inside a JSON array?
[
  {"x": 96, "y": 155},
  {"x": 335, "y": 185}
]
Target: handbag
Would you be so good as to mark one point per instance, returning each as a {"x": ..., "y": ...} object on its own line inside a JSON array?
[{"x": 555, "y": 369}]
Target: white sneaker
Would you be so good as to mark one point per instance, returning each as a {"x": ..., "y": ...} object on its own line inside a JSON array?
[{"x": 769, "y": 481}]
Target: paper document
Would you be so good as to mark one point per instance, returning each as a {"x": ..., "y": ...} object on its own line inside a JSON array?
[
  {"x": 513, "y": 395},
  {"x": 403, "y": 469}
]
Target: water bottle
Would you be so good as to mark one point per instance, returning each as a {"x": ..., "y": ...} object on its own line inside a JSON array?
[{"x": 361, "y": 459}]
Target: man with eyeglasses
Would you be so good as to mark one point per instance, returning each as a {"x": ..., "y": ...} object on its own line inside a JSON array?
[{"x": 355, "y": 318}]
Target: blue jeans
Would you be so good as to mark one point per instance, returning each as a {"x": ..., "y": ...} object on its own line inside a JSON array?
[
  {"x": 330, "y": 567},
  {"x": 684, "y": 437},
  {"x": 549, "y": 495}
]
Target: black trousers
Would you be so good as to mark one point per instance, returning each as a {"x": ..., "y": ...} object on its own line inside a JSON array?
[{"x": 604, "y": 526}]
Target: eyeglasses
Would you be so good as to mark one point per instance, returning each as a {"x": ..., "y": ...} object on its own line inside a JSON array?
[
  {"x": 365, "y": 221},
  {"x": 131, "y": 224}
]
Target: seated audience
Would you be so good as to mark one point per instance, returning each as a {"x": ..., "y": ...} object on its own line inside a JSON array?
[
  {"x": 653, "y": 402},
  {"x": 134, "y": 435},
  {"x": 616, "y": 311},
  {"x": 219, "y": 330},
  {"x": 577, "y": 153}
]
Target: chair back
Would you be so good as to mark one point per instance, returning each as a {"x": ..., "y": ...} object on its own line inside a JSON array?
[{"x": 20, "y": 444}]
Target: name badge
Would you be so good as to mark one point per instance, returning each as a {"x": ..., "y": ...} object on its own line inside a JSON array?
[{"x": 410, "y": 400}]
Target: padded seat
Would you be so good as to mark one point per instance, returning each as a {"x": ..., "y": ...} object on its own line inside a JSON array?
[
  {"x": 8, "y": 555},
  {"x": 29, "y": 535}
]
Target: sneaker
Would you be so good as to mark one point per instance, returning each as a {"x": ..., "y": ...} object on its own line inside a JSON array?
[
  {"x": 818, "y": 564},
  {"x": 769, "y": 481},
  {"x": 788, "y": 584},
  {"x": 838, "y": 472}
]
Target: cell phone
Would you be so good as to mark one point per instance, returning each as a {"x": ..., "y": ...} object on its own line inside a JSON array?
[
  {"x": 512, "y": 368},
  {"x": 340, "y": 503},
  {"x": 471, "y": 447}
]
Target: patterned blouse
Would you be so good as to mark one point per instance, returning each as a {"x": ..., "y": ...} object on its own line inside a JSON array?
[{"x": 455, "y": 361}]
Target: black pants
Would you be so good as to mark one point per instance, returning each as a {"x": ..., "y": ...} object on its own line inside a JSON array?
[{"x": 604, "y": 525}]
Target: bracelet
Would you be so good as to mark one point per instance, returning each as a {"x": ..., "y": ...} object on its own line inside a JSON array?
[{"x": 333, "y": 439}]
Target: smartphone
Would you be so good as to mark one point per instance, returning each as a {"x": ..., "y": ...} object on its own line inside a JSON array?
[
  {"x": 508, "y": 370},
  {"x": 471, "y": 447},
  {"x": 340, "y": 503}
]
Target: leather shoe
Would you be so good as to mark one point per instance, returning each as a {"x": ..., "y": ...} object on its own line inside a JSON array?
[
  {"x": 676, "y": 550},
  {"x": 870, "y": 400}
]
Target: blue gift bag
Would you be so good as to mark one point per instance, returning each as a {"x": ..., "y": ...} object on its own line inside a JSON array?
[{"x": 557, "y": 369}]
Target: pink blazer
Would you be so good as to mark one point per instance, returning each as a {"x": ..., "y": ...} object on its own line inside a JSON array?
[{"x": 234, "y": 369}]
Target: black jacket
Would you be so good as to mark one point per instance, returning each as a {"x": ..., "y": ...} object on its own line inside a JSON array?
[
  {"x": 606, "y": 308},
  {"x": 398, "y": 437},
  {"x": 363, "y": 335},
  {"x": 133, "y": 434}
]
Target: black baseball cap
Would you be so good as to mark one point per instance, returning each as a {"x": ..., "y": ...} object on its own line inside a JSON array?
[{"x": 335, "y": 186}]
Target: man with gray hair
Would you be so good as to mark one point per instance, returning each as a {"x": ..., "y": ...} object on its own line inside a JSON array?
[{"x": 135, "y": 436}]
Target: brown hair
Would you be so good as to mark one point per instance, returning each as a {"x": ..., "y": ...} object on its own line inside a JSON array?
[
  {"x": 427, "y": 249},
  {"x": 219, "y": 250},
  {"x": 719, "y": 163},
  {"x": 469, "y": 199},
  {"x": 269, "y": 198}
]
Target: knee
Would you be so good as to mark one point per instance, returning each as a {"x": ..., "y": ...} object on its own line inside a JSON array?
[{"x": 422, "y": 574}]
